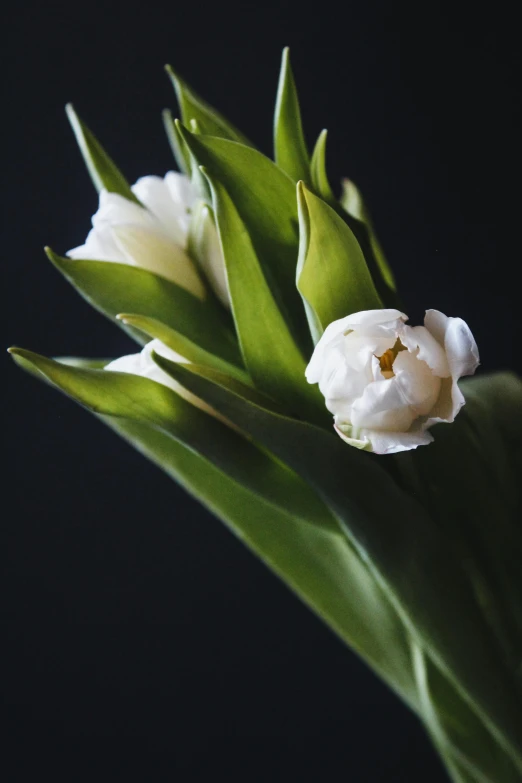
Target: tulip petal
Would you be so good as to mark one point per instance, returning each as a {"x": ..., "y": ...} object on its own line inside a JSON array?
[
  {"x": 169, "y": 205},
  {"x": 156, "y": 252},
  {"x": 428, "y": 348},
  {"x": 456, "y": 337},
  {"x": 417, "y": 383},
  {"x": 114, "y": 208},
  {"x": 394, "y": 442},
  {"x": 461, "y": 348},
  {"x": 382, "y": 406},
  {"x": 100, "y": 245}
]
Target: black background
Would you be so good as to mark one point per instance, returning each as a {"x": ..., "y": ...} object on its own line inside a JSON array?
[{"x": 133, "y": 619}]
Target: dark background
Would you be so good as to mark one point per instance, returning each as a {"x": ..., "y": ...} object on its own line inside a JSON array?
[{"x": 133, "y": 619}]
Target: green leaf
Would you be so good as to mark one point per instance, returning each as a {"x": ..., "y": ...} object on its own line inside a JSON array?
[
  {"x": 144, "y": 400},
  {"x": 353, "y": 203},
  {"x": 322, "y": 568},
  {"x": 182, "y": 345},
  {"x": 192, "y": 107},
  {"x": 270, "y": 353},
  {"x": 332, "y": 274},
  {"x": 317, "y": 564},
  {"x": 104, "y": 173},
  {"x": 264, "y": 197},
  {"x": 472, "y": 487},
  {"x": 181, "y": 154},
  {"x": 319, "y": 176},
  {"x": 409, "y": 558},
  {"x": 115, "y": 288},
  {"x": 290, "y": 150},
  {"x": 284, "y": 523},
  {"x": 460, "y": 736}
]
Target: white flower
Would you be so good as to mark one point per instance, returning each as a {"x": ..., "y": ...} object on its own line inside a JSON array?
[
  {"x": 143, "y": 364},
  {"x": 152, "y": 236},
  {"x": 386, "y": 382}
]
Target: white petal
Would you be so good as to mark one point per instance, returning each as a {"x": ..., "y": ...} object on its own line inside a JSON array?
[
  {"x": 160, "y": 348},
  {"x": 132, "y": 363},
  {"x": 418, "y": 385},
  {"x": 210, "y": 256},
  {"x": 456, "y": 337},
  {"x": 381, "y": 325},
  {"x": 427, "y": 348},
  {"x": 100, "y": 245},
  {"x": 180, "y": 189},
  {"x": 436, "y": 323},
  {"x": 393, "y": 442},
  {"x": 375, "y": 322},
  {"x": 154, "y": 193},
  {"x": 449, "y": 403},
  {"x": 157, "y": 253},
  {"x": 461, "y": 348},
  {"x": 114, "y": 208},
  {"x": 382, "y": 407}
]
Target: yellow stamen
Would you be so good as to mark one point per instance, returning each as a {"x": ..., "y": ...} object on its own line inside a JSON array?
[{"x": 389, "y": 356}]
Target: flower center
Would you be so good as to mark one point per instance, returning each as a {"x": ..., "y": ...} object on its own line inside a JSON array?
[{"x": 389, "y": 356}]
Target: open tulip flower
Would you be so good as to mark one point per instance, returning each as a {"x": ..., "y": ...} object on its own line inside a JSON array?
[
  {"x": 276, "y": 377},
  {"x": 386, "y": 382}
]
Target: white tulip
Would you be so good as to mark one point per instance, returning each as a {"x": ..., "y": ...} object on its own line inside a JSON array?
[
  {"x": 143, "y": 364},
  {"x": 153, "y": 236},
  {"x": 386, "y": 383}
]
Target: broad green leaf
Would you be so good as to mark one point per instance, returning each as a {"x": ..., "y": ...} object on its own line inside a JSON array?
[
  {"x": 352, "y": 202},
  {"x": 143, "y": 400},
  {"x": 182, "y": 345},
  {"x": 317, "y": 564},
  {"x": 271, "y": 355},
  {"x": 332, "y": 274},
  {"x": 323, "y": 569},
  {"x": 319, "y": 176},
  {"x": 502, "y": 394},
  {"x": 460, "y": 736},
  {"x": 281, "y": 519},
  {"x": 192, "y": 107},
  {"x": 181, "y": 154},
  {"x": 104, "y": 173},
  {"x": 115, "y": 288},
  {"x": 290, "y": 150},
  {"x": 264, "y": 197},
  {"x": 410, "y": 558},
  {"x": 234, "y": 384},
  {"x": 473, "y": 491}
]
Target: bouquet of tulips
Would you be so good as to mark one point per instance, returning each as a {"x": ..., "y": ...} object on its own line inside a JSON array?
[{"x": 280, "y": 383}]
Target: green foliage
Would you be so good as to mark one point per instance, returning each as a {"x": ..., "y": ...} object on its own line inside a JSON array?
[
  {"x": 115, "y": 288},
  {"x": 290, "y": 152},
  {"x": 192, "y": 107},
  {"x": 319, "y": 176},
  {"x": 264, "y": 197},
  {"x": 332, "y": 274},
  {"x": 413, "y": 560},
  {"x": 352, "y": 202},
  {"x": 261, "y": 328},
  {"x": 409, "y": 558},
  {"x": 104, "y": 173}
]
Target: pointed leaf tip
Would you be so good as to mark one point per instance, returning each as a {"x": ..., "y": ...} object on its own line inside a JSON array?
[
  {"x": 290, "y": 150},
  {"x": 318, "y": 173},
  {"x": 103, "y": 171},
  {"x": 193, "y": 107}
]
